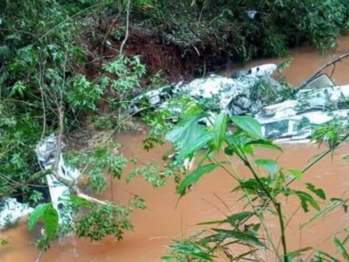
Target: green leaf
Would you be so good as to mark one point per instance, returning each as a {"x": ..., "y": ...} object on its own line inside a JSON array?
[
  {"x": 193, "y": 146},
  {"x": 244, "y": 237},
  {"x": 249, "y": 125},
  {"x": 345, "y": 157},
  {"x": 236, "y": 219},
  {"x": 329, "y": 208},
  {"x": 321, "y": 255},
  {"x": 346, "y": 239},
  {"x": 186, "y": 131},
  {"x": 268, "y": 164},
  {"x": 296, "y": 173},
  {"x": 214, "y": 222},
  {"x": 36, "y": 215},
  {"x": 194, "y": 176},
  {"x": 50, "y": 218},
  {"x": 229, "y": 151},
  {"x": 307, "y": 199},
  {"x": 48, "y": 214},
  {"x": 344, "y": 203},
  {"x": 252, "y": 185},
  {"x": 248, "y": 150},
  {"x": 341, "y": 248},
  {"x": 237, "y": 143},
  {"x": 264, "y": 144},
  {"x": 319, "y": 192},
  {"x": 292, "y": 255},
  {"x": 256, "y": 227},
  {"x": 219, "y": 129},
  {"x": 80, "y": 202},
  {"x": 167, "y": 259}
]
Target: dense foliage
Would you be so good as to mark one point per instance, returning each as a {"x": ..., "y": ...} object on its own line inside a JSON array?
[
  {"x": 43, "y": 93},
  {"x": 217, "y": 31}
]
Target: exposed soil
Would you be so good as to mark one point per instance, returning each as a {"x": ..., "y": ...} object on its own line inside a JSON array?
[{"x": 156, "y": 50}]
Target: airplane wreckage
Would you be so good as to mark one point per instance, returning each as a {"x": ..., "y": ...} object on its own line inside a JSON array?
[
  {"x": 254, "y": 92},
  {"x": 286, "y": 114}
]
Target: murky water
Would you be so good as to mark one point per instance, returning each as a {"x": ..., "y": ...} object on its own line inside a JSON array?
[{"x": 162, "y": 221}]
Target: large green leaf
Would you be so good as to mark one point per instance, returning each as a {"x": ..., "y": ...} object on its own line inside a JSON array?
[
  {"x": 219, "y": 130},
  {"x": 36, "y": 215},
  {"x": 186, "y": 131},
  {"x": 194, "y": 176},
  {"x": 195, "y": 144},
  {"x": 48, "y": 214},
  {"x": 268, "y": 164},
  {"x": 249, "y": 125},
  {"x": 50, "y": 218}
]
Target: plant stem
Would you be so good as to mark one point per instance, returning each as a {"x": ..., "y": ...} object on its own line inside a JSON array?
[
  {"x": 275, "y": 203},
  {"x": 238, "y": 178},
  {"x": 270, "y": 239},
  {"x": 126, "y": 27},
  {"x": 282, "y": 229}
]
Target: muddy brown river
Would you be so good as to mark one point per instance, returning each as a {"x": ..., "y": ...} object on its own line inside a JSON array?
[{"x": 162, "y": 220}]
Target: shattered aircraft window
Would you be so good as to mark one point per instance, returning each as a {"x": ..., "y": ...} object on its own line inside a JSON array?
[{"x": 276, "y": 129}]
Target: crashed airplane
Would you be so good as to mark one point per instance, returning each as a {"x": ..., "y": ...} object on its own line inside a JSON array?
[{"x": 256, "y": 93}]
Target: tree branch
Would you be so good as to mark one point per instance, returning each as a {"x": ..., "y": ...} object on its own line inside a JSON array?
[
  {"x": 72, "y": 184},
  {"x": 126, "y": 27},
  {"x": 333, "y": 62}
]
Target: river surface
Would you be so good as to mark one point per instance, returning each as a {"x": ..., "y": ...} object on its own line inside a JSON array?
[{"x": 209, "y": 199}]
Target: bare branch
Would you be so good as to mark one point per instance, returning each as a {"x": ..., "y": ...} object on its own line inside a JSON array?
[
  {"x": 333, "y": 62},
  {"x": 91, "y": 199},
  {"x": 126, "y": 27},
  {"x": 110, "y": 29}
]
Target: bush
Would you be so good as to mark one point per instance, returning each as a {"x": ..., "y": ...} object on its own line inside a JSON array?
[{"x": 218, "y": 31}]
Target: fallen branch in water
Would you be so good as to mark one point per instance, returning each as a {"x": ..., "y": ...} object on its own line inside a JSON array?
[
  {"x": 333, "y": 62},
  {"x": 90, "y": 199},
  {"x": 72, "y": 184},
  {"x": 39, "y": 256}
]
